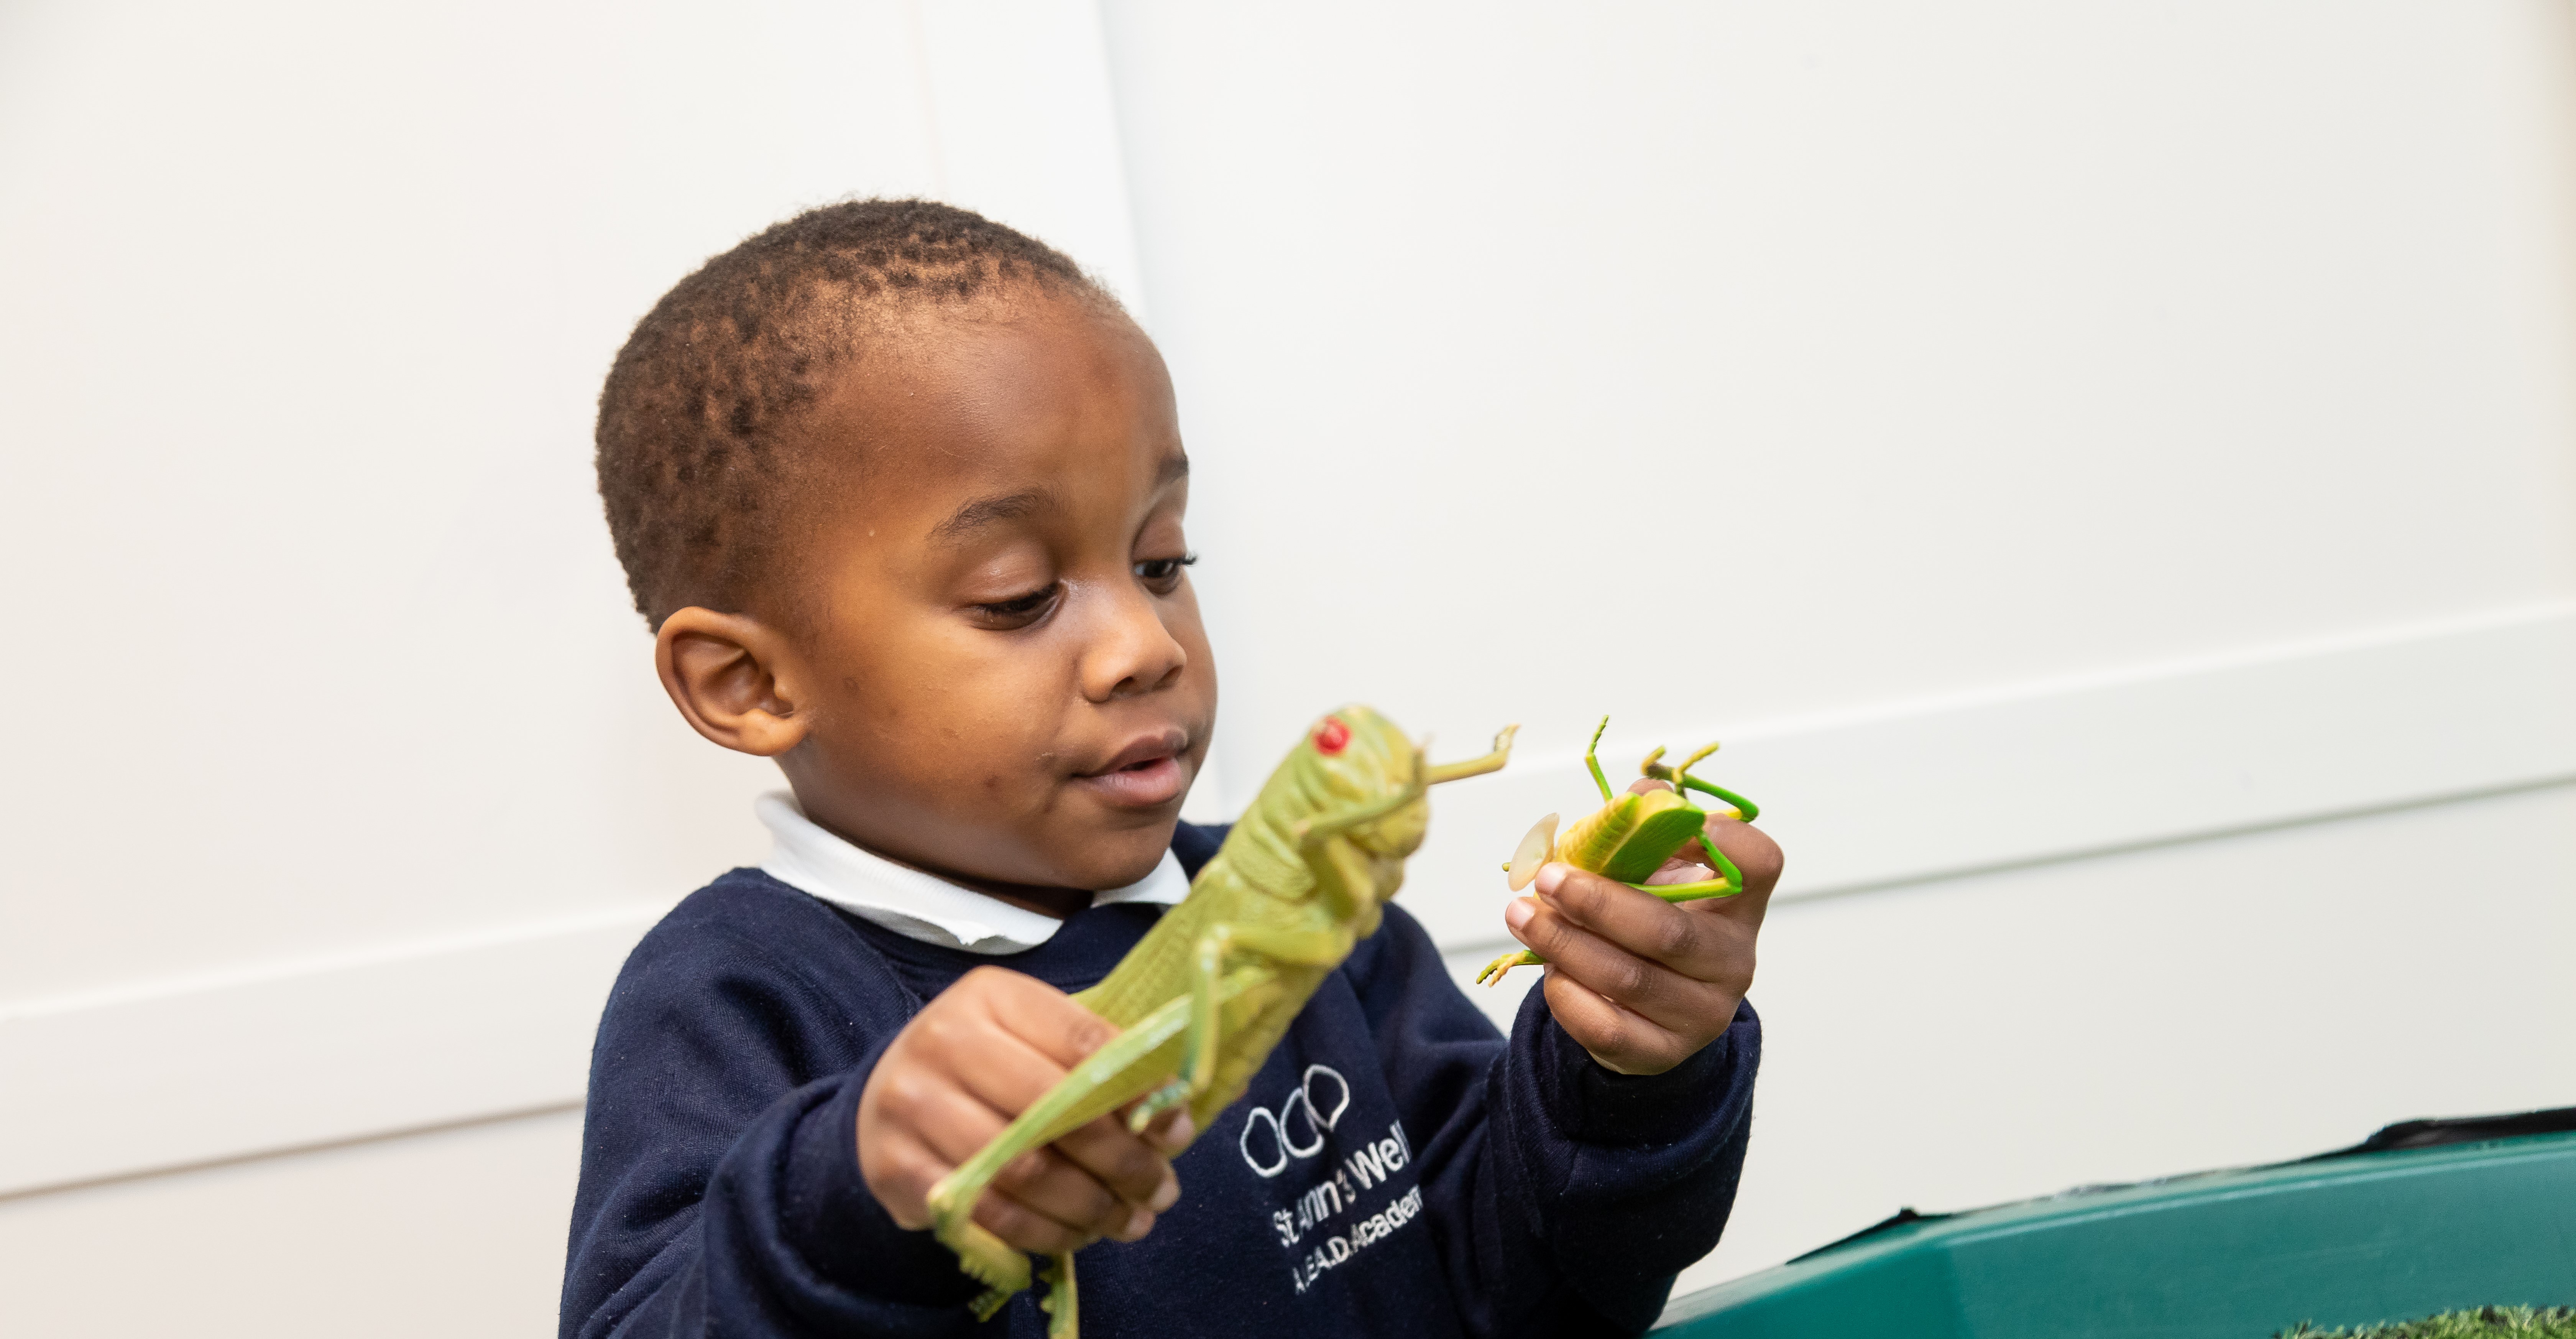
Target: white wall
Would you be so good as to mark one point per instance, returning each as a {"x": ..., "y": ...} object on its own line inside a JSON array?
[{"x": 2108, "y": 471}]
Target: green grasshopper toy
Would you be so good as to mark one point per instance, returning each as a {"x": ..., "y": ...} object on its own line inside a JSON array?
[
  {"x": 1204, "y": 996},
  {"x": 1630, "y": 837}
]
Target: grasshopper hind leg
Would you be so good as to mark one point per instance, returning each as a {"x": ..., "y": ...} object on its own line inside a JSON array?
[{"x": 1064, "y": 1312}]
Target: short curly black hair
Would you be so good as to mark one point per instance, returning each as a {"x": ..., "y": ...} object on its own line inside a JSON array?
[{"x": 697, "y": 455}]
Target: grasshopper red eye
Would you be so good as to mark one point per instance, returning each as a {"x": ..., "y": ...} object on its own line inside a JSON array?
[{"x": 1332, "y": 736}]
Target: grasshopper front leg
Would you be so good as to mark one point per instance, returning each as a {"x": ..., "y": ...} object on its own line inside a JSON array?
[{"x": 1204, "y": 1050}]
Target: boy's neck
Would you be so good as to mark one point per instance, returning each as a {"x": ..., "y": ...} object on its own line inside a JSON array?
[
  {"x": 1059, "y": 903},
  {"x": 1054, "y": 903}
]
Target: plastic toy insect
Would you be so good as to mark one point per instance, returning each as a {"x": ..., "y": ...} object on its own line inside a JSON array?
[
  {"x": 1212, "y": 987},
  {"x": 1630, "y": 837}
]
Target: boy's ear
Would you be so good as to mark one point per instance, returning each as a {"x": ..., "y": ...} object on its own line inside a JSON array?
[{"x": 723, "y": 671}]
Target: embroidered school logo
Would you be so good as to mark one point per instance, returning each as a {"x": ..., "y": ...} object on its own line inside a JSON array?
[{"x": 1271, "y": 1139}]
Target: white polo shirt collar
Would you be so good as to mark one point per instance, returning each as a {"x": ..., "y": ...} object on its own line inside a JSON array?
[{"x": 922, "y": 906}]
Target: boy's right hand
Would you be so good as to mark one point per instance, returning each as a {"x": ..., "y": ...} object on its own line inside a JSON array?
[{"x": 976, "y": 1056}]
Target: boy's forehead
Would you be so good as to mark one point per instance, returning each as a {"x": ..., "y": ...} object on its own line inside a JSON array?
[{"x": 1001, "y": 412}]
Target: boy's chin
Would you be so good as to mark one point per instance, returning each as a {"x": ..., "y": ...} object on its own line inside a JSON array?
[{"x": 1117, "y": 859}]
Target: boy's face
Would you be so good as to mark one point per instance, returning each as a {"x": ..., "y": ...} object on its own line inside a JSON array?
[{"x": 999, "y": 659}]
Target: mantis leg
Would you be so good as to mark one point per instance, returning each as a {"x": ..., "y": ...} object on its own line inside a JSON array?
[
  {"x": 1589, "y": 760},
  {"x": 1725, "y": 865},
  {"x": 1691, "y": 892},
  {"x": 1745, "y": 809}
]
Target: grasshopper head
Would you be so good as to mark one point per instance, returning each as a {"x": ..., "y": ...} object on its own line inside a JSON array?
[{"x": 1354, "y": 757}]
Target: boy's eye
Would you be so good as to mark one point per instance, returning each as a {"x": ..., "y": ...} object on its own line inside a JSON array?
[
  {"x": 1018, "y": 612},
  {"x": 1163, "y": 575}
]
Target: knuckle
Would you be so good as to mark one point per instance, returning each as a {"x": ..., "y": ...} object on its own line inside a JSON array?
[
  {"x": 1022, "y": 1228},
  {"x": 1090, "y": 1032},
  {"x": 1136, "y": 1169},
  {"x": 938, "y": 1031},
  {"x": 1584, "y": 892},
  {"x": 1093, "y": 1206},
  {"x": 903, "y": 1095},
  {"x": 1634, "y": 979},
  {"x": 1676, "y": 935},
  {"x": 1024, "y": 1171}
]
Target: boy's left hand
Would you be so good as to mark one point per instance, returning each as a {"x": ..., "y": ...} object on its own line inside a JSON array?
[{"x": 1641, "y": 983}]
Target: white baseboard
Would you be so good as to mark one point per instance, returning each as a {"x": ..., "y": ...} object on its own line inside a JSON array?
[
  {"x": 431, "y": 1033},
  {"x": 304, "y": 1053}
]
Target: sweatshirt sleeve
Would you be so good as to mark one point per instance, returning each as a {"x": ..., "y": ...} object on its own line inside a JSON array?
[
  {"x": 1564, "y": 1197},
  {"x": 711, "y": 1205}
]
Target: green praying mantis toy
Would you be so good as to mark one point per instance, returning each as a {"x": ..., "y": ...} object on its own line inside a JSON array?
[
  {"x": 1630, "y": 837},
  {"x": 1204, "y": 996}
]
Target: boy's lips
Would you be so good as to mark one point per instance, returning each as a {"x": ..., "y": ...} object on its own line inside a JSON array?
[{"x": 1144, "y": 775}]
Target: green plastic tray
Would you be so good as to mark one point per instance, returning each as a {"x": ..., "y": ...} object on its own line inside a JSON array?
[{"x": 2346, "y": 1240}]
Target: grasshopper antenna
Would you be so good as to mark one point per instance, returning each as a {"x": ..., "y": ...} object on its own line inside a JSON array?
[{"x": 1491, "y": 762}]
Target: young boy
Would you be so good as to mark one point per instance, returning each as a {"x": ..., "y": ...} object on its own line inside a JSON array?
[{"x": 901, "y": 493}]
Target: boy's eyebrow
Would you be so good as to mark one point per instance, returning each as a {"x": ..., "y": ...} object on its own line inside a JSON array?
[
  {"x": 984, "y": 511},
  {"x": 1173, "y": 467}
]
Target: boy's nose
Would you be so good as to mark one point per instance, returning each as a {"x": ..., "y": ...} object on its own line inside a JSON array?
[{"x": 1131, "y": 651}]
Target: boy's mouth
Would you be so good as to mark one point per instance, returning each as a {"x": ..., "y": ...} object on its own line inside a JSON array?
[{"x": 1146, "y": 774}]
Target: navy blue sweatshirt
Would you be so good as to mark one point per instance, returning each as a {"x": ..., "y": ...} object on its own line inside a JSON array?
[{"x": 1397, "y": 1168}]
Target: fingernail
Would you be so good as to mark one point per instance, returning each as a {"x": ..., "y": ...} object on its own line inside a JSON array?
[
  {"x": 1550, "y": 875},
  {"x": 1139, "y": 1223},
  {"x": 1167, "y": 1196},
  {"x": 1518, "y": 911},
  {"x": 1182, "y": 1130}
]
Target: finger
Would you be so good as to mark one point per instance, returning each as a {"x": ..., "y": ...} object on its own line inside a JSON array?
[
  {"x": 995, "y": 1065},
  {"x": 1132, "y": 1168},
  {"x": 902, "y": 1171},
  {"x": 1039, "y": 1014},
  {"x": 1044, "y": 1181},
  {"x": 1007, "y": 1074},
  {"x": 1621, "y": 1040},
  {"x": 1640, "y": 923},
  {"x": 1172, "y": 1131},
  {"x": 1647, "y": 988},
  {"x": 955, "y": 1126},
  {"x": 1025, "y": 1228}
]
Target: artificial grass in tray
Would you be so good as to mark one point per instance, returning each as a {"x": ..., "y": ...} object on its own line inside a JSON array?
[{"x": 2492, "y": 1322}]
